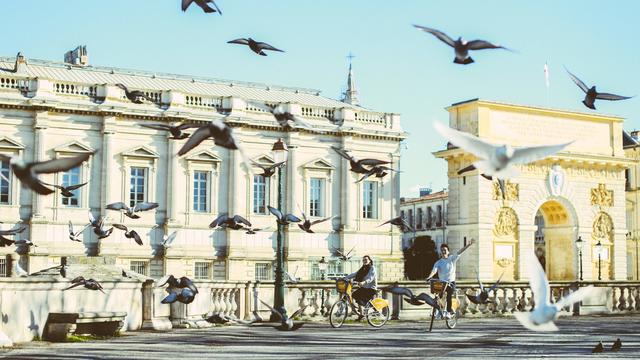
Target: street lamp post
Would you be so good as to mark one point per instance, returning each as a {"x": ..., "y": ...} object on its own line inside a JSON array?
[
  {"x": 580, "y": 245},
  {"x": 599, "y": 251},
  {"x": 279, "y": 155},
  {"x": 322, "y": 265}
]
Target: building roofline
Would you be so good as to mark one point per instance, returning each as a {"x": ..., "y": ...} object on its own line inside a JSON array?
[{"x": 532, "y": 107}]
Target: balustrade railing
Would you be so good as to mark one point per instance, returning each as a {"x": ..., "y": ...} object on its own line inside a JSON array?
[
  {"x": 20, "y": 84},
  {"x": 318, "y": 112},
  {"x": 370, "y": 118},
  {"x": 68, "y": 88},
  {"x": 203, "y": 101}
]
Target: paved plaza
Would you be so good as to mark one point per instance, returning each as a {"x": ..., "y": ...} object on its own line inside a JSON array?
[{"x": 486, "y": 338}]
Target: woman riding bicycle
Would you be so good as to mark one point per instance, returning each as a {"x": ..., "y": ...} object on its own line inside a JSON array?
[
  {"x": 446, "y": 269},
  {"x": 367, "y": 278}
]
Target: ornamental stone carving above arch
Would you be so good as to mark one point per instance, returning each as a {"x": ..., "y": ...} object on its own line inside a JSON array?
[
  {"x": 512, "y": 191},
  {"x": 602, "y": 226},
  {"x": 601, "y": 196},
  {"x": 506, "y": 222}
]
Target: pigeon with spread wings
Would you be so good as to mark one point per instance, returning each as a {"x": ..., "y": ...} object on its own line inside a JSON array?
[
  {"x": 203, "y": 4},
  {"x": 255, "y": 46},
  {"x": 135, "y": 96},
  {"x": 591, "y": 94},
  {"x": 286, "y": 322}
]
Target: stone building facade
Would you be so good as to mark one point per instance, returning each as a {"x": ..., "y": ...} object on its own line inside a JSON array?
[
  {"x": 52, "y": 110},
  {"x": 427, "y": 215},
  {"x": 579, "y": 192}
]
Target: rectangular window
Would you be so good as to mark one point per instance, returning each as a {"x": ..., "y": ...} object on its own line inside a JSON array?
[
  {"x": 439, "y": 216},
  {"x": 5, "y": 182},
  {"x": 3, "y": 267},
  {"x": 370, "y": 200},
  {"x": 429, "y": 218},
  {"x": 419, "y": 220},
  {"x": 260, "y": 194},
  {"x": 200, "y": 186},
  {"x": 137, "y": 191},
  {"x": 202, "y": 270},
  {"x": 141, "y": 267},
  {"x": 71, "y": 177},
  {"x": 316, "y": 191},
  {"x": 411, "y": 217},
  {"x": 263, "y": 271}
]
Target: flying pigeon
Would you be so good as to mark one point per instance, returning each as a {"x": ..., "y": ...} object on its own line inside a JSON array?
[
  {"x": 181, "y": 283},
  {"x": 185, "y": 296},
  {"x": 129, "y": 234},
  {"x": 592, "y": 94},
  {"x": 412, "y": 299},
  {"x": 175, "y": 131},
  {"x": 98, "y": 226},
  {"x": 286, "y": 323},
  {"x": 135, "y": 96},
  {"x": 6, "y": 242},
  {"x": 66, "y": 191},
  {"x": 282, "y": 218},
  {"x": 268, "y": 170},
  {"x": 345, "y": 257},
  {"x": 27, "y": 171},
  {"x": 224, "y": 221},
  {"x": 379, "y": 171},
  {"x": 306, "y": 224},
  {"x": 544, "y": 313},
  {"x": 461, "y": 46},
  {"x": 74, "y": 236},
  {"x": 168, "y": 240},
  {"x": 203, "y": 4},
  {"x": 130, "y": 211},
  {"x": 256, "y": 46},
  {"x": 358, "y": 166},
  {"x": 90, "y": 284},
  {"x": 287, "y": 120},
  {"x": 483, "y": 297},
  {"x": 497, "y": 160},
  {"x": 399, "y": 222}
]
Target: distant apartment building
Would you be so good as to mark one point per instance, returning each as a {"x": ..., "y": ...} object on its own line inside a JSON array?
[{"x": 427, "y": 215}]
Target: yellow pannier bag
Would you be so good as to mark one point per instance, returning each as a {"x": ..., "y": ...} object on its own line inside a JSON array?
[{"x": 379, "y": 303}]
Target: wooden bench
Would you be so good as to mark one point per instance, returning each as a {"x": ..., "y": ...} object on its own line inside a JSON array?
[{"x": 104, "y": 323}]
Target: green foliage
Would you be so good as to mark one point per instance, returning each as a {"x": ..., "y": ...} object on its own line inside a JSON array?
[{"x": 419, "y": 258}]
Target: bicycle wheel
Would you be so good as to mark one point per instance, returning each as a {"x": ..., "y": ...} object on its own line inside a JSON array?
[
  {"x": 451, "y": 323},
  {"x": 377, "y": 318},
  {"x": 338, "y": 313}
]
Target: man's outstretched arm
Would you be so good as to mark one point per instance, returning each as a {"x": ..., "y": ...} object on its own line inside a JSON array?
[{"x": 466, "y": 247}]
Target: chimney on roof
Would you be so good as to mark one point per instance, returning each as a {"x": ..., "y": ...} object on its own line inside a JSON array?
[
  {"x": 425, "y": 191},
  {"x": 77, "y": 56},
  {"x": 20, "y": 65}
]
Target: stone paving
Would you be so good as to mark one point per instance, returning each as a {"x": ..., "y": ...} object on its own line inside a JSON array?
[{"x": 486, "y": 338}]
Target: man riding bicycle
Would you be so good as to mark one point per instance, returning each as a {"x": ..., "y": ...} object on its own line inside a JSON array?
[{"x": 446, "y": 269}]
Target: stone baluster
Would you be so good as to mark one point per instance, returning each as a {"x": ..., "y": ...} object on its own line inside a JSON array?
[
  {"x": 256, "y": 302},
  {"x": 616, "y": 298},
  {"x": 226, "y": 296},
  {"x": 215, "y": 300},
  {"x": 247, "y": 301},
  {"x": 233, "y": 297}
]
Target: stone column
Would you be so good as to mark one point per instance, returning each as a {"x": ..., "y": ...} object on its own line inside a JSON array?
[
  {"x": 39, "y": 127},
  {"x": 172, "y": 182},
  {"x": 108, "y": 130},
  {"x": 345, "y": 194}
]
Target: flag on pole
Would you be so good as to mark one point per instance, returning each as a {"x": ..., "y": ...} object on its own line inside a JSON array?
[{"x": 546, "y": 74}]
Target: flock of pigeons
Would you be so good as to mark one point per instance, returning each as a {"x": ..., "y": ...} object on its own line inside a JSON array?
[{"x": 495, "y": 161}]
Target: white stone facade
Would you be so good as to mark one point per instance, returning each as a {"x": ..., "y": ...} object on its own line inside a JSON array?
[
  {"x": 427, "y": 215},
  {"x": 50, "y": 110},
  {"x": 561, "y": 188}
]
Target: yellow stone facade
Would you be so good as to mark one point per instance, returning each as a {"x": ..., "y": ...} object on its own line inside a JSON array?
[{"x": 578, "y": 192}]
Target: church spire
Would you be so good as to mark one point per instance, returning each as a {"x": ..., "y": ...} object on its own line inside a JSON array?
[{"x": 350, "y": 96}]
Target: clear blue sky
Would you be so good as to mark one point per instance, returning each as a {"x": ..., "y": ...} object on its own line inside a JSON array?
[{"x": 397, "y": 68}]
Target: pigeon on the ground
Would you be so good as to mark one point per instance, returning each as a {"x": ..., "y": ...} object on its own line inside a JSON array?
[
  {"x": 358, "y": 166},
  {"x": 203, "y": 4},
  {"x": 75, "y": 236},
  {"x": 412, "y": 299},
  {"x": 592, "y": 94},
  {"x": 27, "y": 172},
  {"x": 129, "y": 234},
  {"x": 544, "y": 313},
  {"x": 225, "y": 319},
  {"x": 286, "y": 322},
  {"x": 130, "y": 211},
  {"x": 255, "y": 46},
  {"x": 483, "y": 297},
  {"x": 598, "y": 349},
  {"x": 175, "y": 131},
  {"x": 617, "y": 345},
  {"x": 281, "y": 218},
  {"x": 400, "y": 223},
  {"x": 497, "y": 160},
  {"x": 135, "y": 96},
  {"x": 225, "y": 221},
  {"x": 90, "y": 284},
  {"x": 461, "y": 46}
]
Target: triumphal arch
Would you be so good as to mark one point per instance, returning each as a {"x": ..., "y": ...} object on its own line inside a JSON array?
[{"x": 578, "y": 193}]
